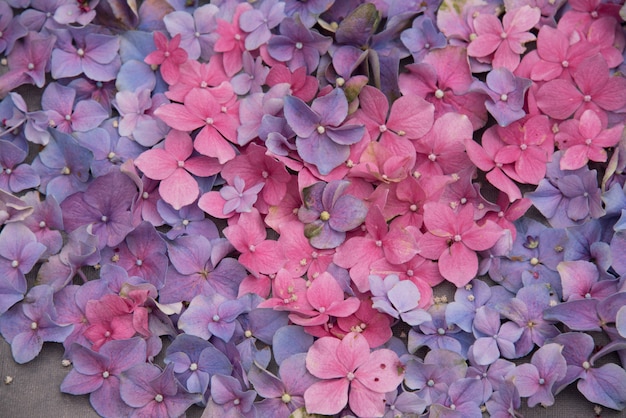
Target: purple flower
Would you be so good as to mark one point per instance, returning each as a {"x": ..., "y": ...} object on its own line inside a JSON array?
[
  {"x": 82, "y": 50},
  {"x": 422, "y": 37},
  {"x": 155, "y": 393},
  {"x": 27, "y": 62},
  {"x": 259, "y": 22},
  {"x": 197, "y": 32},
  {"x": 195, "y": 361},
  {"x": 228, "y": 398},
  {"x": 329, "y": 212},
  {"x": 283, "y": 393},
  {"x": 209, "y": 315},
  {"x": 105, "y": 205},
  {"x": 307, "y": 11},
  {"x": 98, "y": 373},
  {"x": 200, "y": 267},
  {"x": 506, "y": 95},
  {"x": 536, "y": 379},
  {"x": 398, "y": 298},
  {"x": 569, "y": 199},
  {"x": 604, "y": 385},
  {"x": 46, "y": 222},
  {"x": 19, "y": 251},
  {"x": 526, "y": 310},
  {"x": 10, "y": 29},
  {"x": 322, "y": 138},
  {"x": 297, "y": 45},
  {"x": 58, "y": 103},
  {"x": 26, "y": 326},
  {"x": 237, "y": 199},
  {"x": 437, "y": 333},
  {"x": 14, "y": 176},
  {"x": 432, "y": 377},
  {"x": 493, "y": 339},
  {"x": 141, "y": 254},
  {"x": 252, "y": 78}
]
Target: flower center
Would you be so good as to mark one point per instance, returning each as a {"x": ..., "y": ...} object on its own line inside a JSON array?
[
  {"x": 321, "y": 130},
  {"x": 80, "y": 52},
  {"x": 587, "y": 98},
  {"x": 193, "y": 367},
  {"x": 324, "y": 216},
  {"x": 33, "y": 325},
  {"x": 105, "y": 374},
  {"x": 350, "y": 376},
  {"x": 439, "y": 94},
  {"x": 382, "y": 128},
  {"x": 286, "y": 398},
  {"x": 158, "y": 397},
  {"x": 248, "y": 333},
  {"x": 565, "y": 64},
  {"x": 181, "y": 164},
  {"x": 441, "y": 331},
  {"x": 299, "y": 45},
  {"x": 216, "y": 318},
  {"x": 542, "y": 381},
  {"x": 504, "y": 97},
  {"x": 15, "y": 263},
  {"x": 457, "y": 238},
  {"x": 31, "y": 66}
]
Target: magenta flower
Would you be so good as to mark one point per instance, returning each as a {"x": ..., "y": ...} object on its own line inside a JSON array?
[
  {"x": 453, "y": 239},
  {"x": 168, "y": 55},
  {"x": 591, "y": 87},
  {"x": 58, "y": 103},
  {"x": 326, "y": 299},
  {"x": 248, "y": 236},
  {"x": 329, "y": 212},
  {"x": 231, "y": 40},
  {"x": 174, "y": 165},
  {"x": 506, "y": 39},
  {"x": 535, "y": 380},
  {"x": 202, "y": 110},
  {"x": 350, "y": 374},
  {"x": 586, "y": 139},
  {"x": 323, "y": 138}
]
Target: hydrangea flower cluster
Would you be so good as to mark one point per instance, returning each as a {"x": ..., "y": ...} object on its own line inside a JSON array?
[{"x": 256, "y": 207}]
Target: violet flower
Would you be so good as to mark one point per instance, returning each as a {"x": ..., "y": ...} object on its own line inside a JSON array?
[
  {"x": 398, "y": 298},
  {"x": 154, "y": 392},
  {"x": 322, "y": 137},
  {"x": 329, "y": 212},
  {"x": 19, "y": 251},
  {"x": 506, "y": 95},
  {"x": 297, "y": 45},
  {"x": 260, "y": 21},
  {"x": 422, "y": 37},
  {"x": 98, "y": 373},
  {"x": 15, "y": 176},
  {"x": 212, "y": 314},
  {"x": 536, "y": 379},
  {"x": 26, "y": 326},
  {"x": 195, "y": 361},
  {"x": 197, "y": 32},
  {"x": 83, "y": 50},
  {"x": 58, "y": 103}
]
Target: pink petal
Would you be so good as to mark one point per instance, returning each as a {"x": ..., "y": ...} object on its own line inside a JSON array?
[
  {"x": 156, "y": 163},
  {"x": 374, "y": 104},
  {"x": 459, "y": 265},
  {"x": 499, "y": 180},
  {"x": 327, "y": 397},
  {"x": 211, "y": 143},
  {"x": 365, "y": 402},
  {"x": 559, "y": 99},
  {"x": 267, "y": 258},
  {"x": 382, "y": 372},
  {"x": 413, "y": 115},
  {"x": 353, "y": 350},
  {"x": 178, "y": 117},
  {"x": 484, "y": 45},
  {"x": 322, "y": 361},
  {"x": 179, "y": 189},
  {"x": 213, "y": 204},
  {"x": 574, "y": 157},
  {"x": 179, "y": 144}
]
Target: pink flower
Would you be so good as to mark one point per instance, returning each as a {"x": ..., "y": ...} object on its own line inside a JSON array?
[
  {"x": 506, "y": 39},
  {"x": 174, "y": 166},
  {"x": 591, "y": 88},
  {"x": 231, "y": 41},
  {"x": 529, "y": 146},
  {"x": 586, "y": 139},
  {"x": 351, "y": 375},
  {"x": 248, "y": 236},
  {"x": 202, "y": 110},
  {"x": 326, "y": 299},
  {"x": 453, "y": 239},
  {"x": 168, "y": 55}
]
